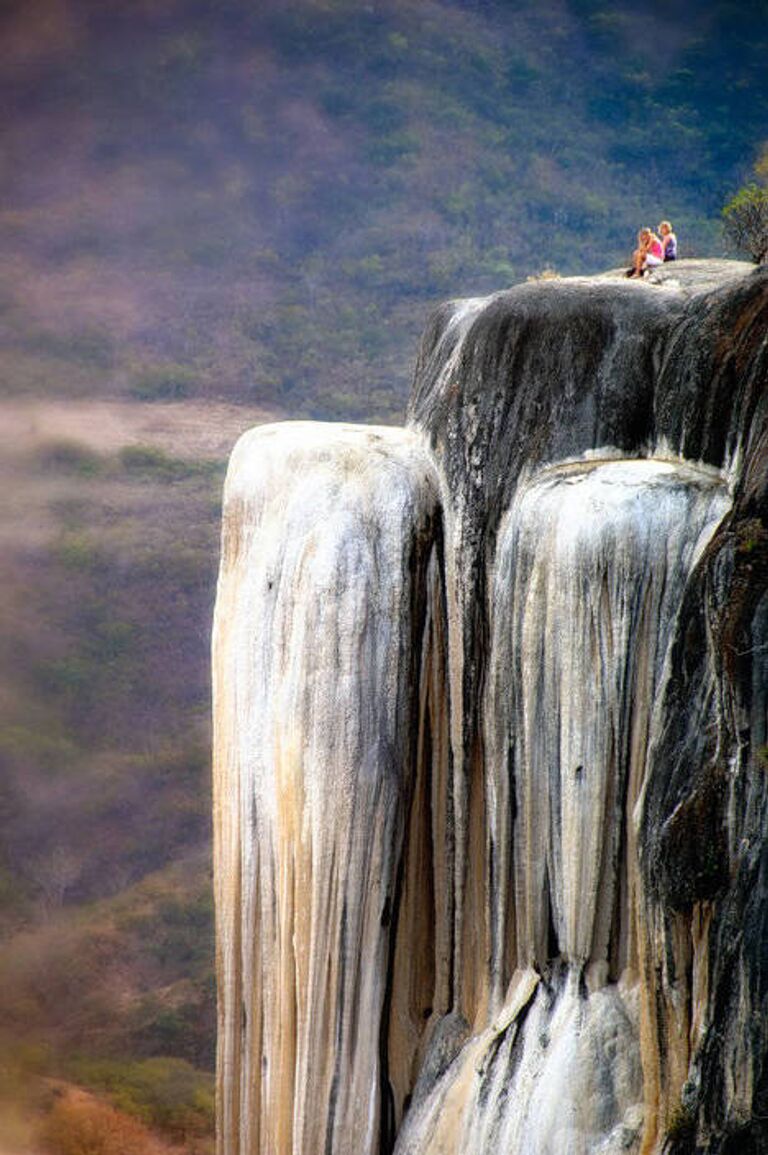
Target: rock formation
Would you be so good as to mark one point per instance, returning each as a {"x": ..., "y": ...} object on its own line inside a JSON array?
[{"x": 491, "y": 741}]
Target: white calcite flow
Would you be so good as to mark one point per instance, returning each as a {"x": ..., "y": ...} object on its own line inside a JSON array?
[
  {"x": 317, "y": 635},
  {"x": 590, "y": 571},
  {"x": 335, "y": 806},
  {"x": 591, "y": 565}
]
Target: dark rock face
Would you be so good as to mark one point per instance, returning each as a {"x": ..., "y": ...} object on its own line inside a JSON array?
[
  {"x": 548, "y": 371},
  {"x": 703, "y": 831},
  {"x": 563, "y": 909}
]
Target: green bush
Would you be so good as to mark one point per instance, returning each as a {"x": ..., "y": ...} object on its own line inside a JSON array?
[
  {"x": 78, "y": 551},
  {"x": 71, "y": 457},
  {"x": 166, "y": 1093},
  {"x": 90, "y": 346},
  {"x": 745, "y": 222},
  {"x": 186, "y": 1031},
  {"x": 745, "y": 217},
  {"x": 153, "y": 464},
  {"x": 68, "y": 677},
  {"x": 114, "y": 640},
  {"x": 25, "y": 1059},
  {"x": 169, "y": 382},
  {"x": 178, "y": 932},
  {"x": 48, "y": 751}
]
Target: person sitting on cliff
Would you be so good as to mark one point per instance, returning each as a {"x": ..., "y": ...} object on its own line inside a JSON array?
[
  {"x": 668, "y": 241},
  {"x": 648, "y": 254}
]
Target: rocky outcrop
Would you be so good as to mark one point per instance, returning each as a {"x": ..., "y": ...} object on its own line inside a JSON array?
[{"x": 491, "y": 730}]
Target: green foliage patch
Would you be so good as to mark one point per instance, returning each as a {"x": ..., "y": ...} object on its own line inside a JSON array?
[
  {"x": 79, "y": 550},
  {"x": 169, "y": 382},
  {"x": 71, "y": 458},
  {"x": 132, "y": 975},
  {"x": 89, "y": 346},
  {"x": 147, "y": 462},
  {"x": 166, "y": 1093},
  {"x": 745, "y": 221},
  {"x": 51, "y": 751}
]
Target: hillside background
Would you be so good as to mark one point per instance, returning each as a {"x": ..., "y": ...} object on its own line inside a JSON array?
[{"x": 216, "y": 213}]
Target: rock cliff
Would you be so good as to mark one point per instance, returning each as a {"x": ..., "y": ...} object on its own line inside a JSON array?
[{"x": 491, "y": 741}]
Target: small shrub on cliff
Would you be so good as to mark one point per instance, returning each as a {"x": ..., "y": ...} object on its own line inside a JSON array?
[
  {"x": 745, "y": 217},
  {"x": 746, "y": 222}
]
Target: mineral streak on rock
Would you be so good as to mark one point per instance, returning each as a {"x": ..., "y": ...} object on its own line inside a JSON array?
[
  {"x": 491, "y": 742},
  {"x": 591, "y": 564},
  {"x": 319, "y": 642}
]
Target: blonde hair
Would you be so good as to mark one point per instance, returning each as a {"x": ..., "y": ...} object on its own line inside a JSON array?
[{"x": 665, "y": 225}]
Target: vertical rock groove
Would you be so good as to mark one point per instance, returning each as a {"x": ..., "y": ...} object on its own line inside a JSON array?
[{"x": 591, "y": 565}]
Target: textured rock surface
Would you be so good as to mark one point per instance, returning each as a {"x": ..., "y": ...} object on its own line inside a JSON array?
[
  {"x": 591, "y": 564},
  {"x": 318, "y": 644},
  {"x": 492, "y": 741}
]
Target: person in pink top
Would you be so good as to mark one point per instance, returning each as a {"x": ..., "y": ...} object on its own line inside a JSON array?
[{"x": 648, "y": 254}]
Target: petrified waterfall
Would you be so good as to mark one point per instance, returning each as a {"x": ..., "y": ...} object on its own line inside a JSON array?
[{"x": 491, "y": 742}]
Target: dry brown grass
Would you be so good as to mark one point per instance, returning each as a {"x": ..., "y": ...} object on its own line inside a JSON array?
[{"x": 81, "y": 1125}]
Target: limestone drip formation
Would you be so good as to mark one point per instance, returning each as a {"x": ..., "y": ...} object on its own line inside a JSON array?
[{"x": 491, "y": 741}]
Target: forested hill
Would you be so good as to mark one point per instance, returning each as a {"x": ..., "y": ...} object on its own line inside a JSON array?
[{"x": 261, "y": 201}]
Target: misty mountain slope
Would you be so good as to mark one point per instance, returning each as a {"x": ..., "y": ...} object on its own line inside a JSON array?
[{"x": 262, "y": 202}]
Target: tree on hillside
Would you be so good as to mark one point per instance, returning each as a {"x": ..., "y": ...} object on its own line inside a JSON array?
[{"x": 745, "y": 217}]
